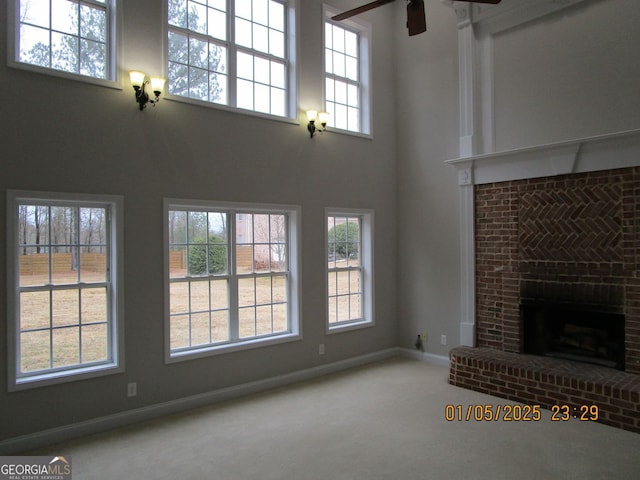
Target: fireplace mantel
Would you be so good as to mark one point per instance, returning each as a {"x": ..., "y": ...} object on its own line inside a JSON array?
[{"x": 603, "y": 152}]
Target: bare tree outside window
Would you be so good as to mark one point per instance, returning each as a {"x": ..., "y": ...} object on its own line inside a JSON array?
[{"x": 64, "y": 318}]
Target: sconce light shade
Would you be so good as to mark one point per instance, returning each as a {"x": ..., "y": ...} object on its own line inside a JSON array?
[
  {"x": 324, "y": 118},
  {"x": 157, "y": 84},
  {"x": 139, "y": 82},
  {"x": 313, "y": 116},
  {"x": 137, "y": 78}
]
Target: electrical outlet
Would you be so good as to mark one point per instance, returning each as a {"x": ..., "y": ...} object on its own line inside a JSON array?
[
  {"x": 423, "y": 336},
  {"x": 443, "y": 339},
  {"x": 321, "y": 349},
  {"x": 132, "y": 389}
]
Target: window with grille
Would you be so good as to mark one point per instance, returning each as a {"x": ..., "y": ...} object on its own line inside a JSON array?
[
  {"x": 74, "y": 37},
  {"x": 232, "y": 276},
  {"x": 346, "y": 77},
  {"x": 66, "y": 313},
  {"x": 349, "y": 268},
  {"x": 233, "y": 52}
]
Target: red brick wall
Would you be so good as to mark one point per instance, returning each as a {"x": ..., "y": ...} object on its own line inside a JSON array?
[
  {"x": 569, "y": 237},
  {"x": 550, "y": 384}
]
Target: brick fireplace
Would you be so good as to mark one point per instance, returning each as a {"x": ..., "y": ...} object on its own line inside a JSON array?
[
  {"x": 567, "y": 239},
  {"x": 554, "y": 239}
]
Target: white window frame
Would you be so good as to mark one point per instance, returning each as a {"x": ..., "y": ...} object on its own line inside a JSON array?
[
  {"x": 363, "y": 29},
  {"x": 291, "y": 48},
  {"x": 115, "y": 308},
  {"x": 294, "y": 332},
  {"x": 112, "y": 78},
  {"x": 367, "y": 319}
]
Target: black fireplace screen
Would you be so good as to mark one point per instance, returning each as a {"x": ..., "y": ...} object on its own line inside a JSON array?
[{"x": 574, "y": 333}]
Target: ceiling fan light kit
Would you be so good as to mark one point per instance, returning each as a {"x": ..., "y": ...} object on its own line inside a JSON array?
[{"x": 416, "y": 18}]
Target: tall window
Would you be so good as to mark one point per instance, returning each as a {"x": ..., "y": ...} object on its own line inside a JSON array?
[
  {"x": 232, "y": 276},
  {"x": 346, "y": 69},
  {"x": 349, "y": 268},
  {"x": 64, "y": 253},
  {"x": 72, "y": 36},
  {"x": 232, "y": 52}
]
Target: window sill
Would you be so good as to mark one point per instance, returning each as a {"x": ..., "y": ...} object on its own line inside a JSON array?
[
  {"x": 366, "y": 136},
  {"x": 102, "y": 82},
  {"x": 345, "y": 327},
  {"x": 46, "y": 379},
  {"x": 210, "y": 350},
  {"x": 229, "y": 109}
]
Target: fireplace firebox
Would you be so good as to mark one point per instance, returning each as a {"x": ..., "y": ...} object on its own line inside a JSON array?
[{"x": 574, "y": 332}]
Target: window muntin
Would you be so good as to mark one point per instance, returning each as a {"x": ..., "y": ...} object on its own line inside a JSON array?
[
  {"x": 344, "y": 248},
  {"x": 347, "y": 73},
  {"x": 70, "y": 36},
  {"x": 342, "y": 77},
  {"x": 231, "y": 52},
  {"x": 64, "y": 304},
  {"x": 349, "y": 268},
  {"x": 197, "y": 50},
  {"x": 199, "y": 280},
  {"x": 230, "y": 277}
]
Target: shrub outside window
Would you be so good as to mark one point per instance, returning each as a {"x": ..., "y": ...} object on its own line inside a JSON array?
[
  {"x": 65, "y": 263},
  {"x": 349, "y": 268},
  {"x": 232, "y": 279}
]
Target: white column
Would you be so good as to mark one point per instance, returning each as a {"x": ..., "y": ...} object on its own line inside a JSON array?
[
  {"x": 466, "y": 81},
  {"x": 467, "y": 76},
  {"x": 467, "y": 257}
]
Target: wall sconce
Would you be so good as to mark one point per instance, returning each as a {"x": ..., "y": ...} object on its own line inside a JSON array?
[
  {"x": 313, "y": 116},
  {"x": 139, "y": 82}
]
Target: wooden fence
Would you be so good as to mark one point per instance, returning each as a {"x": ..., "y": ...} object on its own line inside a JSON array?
[
  {"x": 178, "y": 260},
  {"x": 38, "y": 263}
]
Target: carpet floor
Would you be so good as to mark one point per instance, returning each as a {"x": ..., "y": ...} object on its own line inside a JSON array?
[{"x": 382, "y": 421}]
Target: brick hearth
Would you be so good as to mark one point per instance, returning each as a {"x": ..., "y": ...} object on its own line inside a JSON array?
[
  {"x": 547, "y": 382},
  {"x": 566, "y": 238}
]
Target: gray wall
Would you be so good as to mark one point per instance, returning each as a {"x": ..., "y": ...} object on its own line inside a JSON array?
[
  {"x": 62, "y": 135},
  {"x": 569, "y": 75},
  {"x": 427, "y": 131}
]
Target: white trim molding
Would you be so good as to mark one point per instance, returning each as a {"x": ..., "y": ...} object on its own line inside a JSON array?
[
  {"x": 426, "y": 357},
  {"x": 477, "y": 25},
  {"x": 601, "y": 152},
  {"x": 492, "y": 19}
]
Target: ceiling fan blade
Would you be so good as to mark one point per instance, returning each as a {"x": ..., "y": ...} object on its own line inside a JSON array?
[
  {"x": 416, "y": 18},
  {"x": 361, "y": 9}
]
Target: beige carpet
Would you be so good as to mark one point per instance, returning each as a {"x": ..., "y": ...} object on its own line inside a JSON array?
[{"x": 382, "y": 421}]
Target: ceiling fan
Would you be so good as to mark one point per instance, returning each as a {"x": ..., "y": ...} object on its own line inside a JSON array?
[{"x": 416, "y": 19}]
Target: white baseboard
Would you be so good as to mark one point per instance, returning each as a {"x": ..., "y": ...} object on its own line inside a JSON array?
[
  {"x": 67, "y": 432},
  {"x": 425, "y": 357}
]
